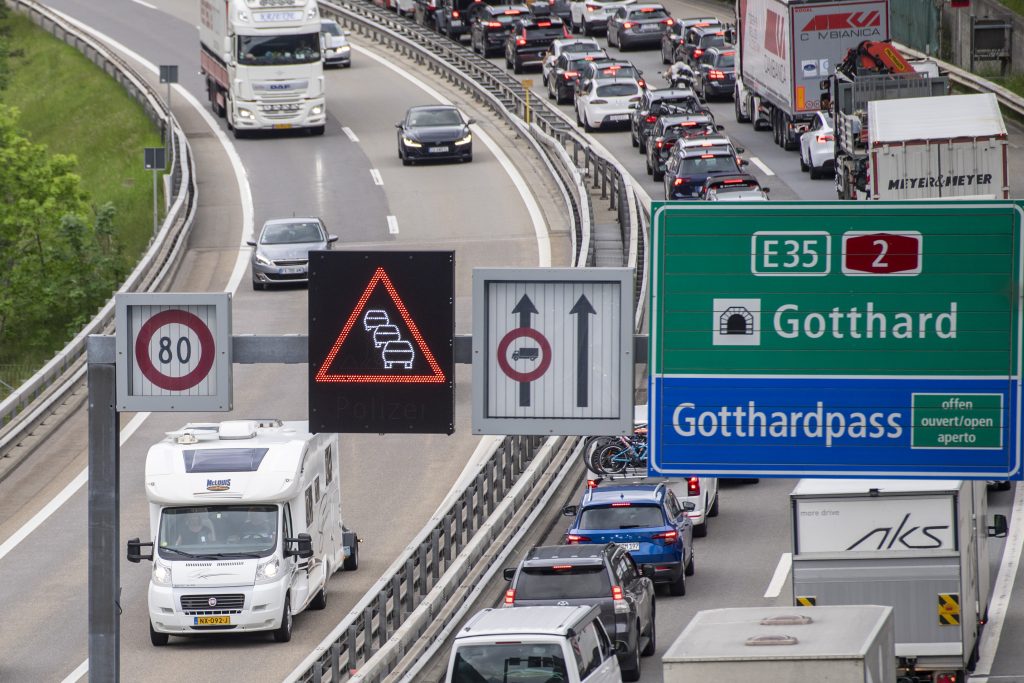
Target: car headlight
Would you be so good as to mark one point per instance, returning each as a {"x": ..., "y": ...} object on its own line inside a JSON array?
[
  {"x": 262, "y": 260},
  {"x": 246, "y": 114},
  {"x": 161, "y": 574},
  {"x": 268, "y": 571},
  {"x": 317, "y": 110},
  {"x": 329, "y": 51},
  {"x": 344, "y": 48},
  {"x": 410, "y": 143},
  {"x": 466, "y": 140}
]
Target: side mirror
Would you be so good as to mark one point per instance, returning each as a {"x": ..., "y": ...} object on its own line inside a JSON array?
[
  {"x": 648, "y": 571},
  {"x": 999, "y": 527},
  {"x": 766, "y": 190},
  {"x": 570, "y": 510},
  {"x": 470, "y": 122},
  {"x": 509, "y": 573},
  {"x": 303, "y": 546},
  {"x": 251, "y": 243},
  {"x": 744, "y": 162},
  {"x": 719, "y": 127},
  {"x": 135, "y": 547},
  {"x": 688, "y": 506},
  {"x": 398, "y": 125},
  {"x": 332, "y": 238},
  {"x": 740, "y": 150}
]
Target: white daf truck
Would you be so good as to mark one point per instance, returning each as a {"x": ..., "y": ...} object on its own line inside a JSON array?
[
  {"x": 263, "y": 65},
  {"x": 245, "y": 517}
]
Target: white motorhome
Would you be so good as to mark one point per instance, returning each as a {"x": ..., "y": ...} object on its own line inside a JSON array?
[
  {"x": 263, "y": 63},
  {"x": 245, "y": 518}
]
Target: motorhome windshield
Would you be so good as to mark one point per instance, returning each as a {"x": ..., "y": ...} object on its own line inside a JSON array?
[
  {"x": 276, "y": 50},
  {"x": 219, "y": 530}
]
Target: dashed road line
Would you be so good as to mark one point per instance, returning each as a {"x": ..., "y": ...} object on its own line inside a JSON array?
[
  {"x": 760, "y": 164},
  {"x": 375, "y": 174},
  {"x": 348, "y": 132},
  {"x": 393, "y": 225},
  {"x": 779, "y": 577}
]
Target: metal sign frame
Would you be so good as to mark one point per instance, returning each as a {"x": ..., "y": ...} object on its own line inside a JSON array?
[
  {"x": 622, "y": 422},
  {"x": 180, "y": 308},
  {"x": 930, "y": 386}
]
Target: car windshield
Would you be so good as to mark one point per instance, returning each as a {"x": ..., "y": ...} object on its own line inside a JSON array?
[
  {"x": 625, "y": 517},
  {"x": 292, "y": 233},
  {"x": 427, "y": 118},
  {"x": 647, "y": 14},
  {"x": 330, "y": 27},
  {"x": 567, "y": 582},
  {"x": 509, "y": 663},
  {"x": 617, "y": 90},
  {"x": 218, "y": 529},
  {"x": 276, "y": 50},
  {"x": 719, "y": 163}
]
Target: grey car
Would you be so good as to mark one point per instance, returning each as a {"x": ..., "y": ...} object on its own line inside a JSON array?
[{"x": 281, "y": 254}]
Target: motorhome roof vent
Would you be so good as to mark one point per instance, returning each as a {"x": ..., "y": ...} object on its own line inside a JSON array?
[
  {"x": 771, "y": 640},
  {"x": 787, "y": 620},
  {"x": 237, "y": 429}
]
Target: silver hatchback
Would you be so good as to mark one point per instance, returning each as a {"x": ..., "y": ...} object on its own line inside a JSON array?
[{"x": 281, "y": 254}]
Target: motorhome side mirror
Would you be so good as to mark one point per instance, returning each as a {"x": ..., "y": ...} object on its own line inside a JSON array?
[
  {"x": 570, "y": 510},
  {"x": 688, "y": 506},
  {"x": 470, "y": 122},
  {"x": 719, "y": 126},
  {"x": 251, "y": 243},
  {"x": 135, "y": 547},
  {"x": 999, "y": 527},
  {"x": 332, "y": 238},
  {"x": 509, "y": 573},
  {"x": 740, "y": 150},
  {"x": 766, "y": 190},
  {"x": 398, "y": 125},
  {"x": 303, "y": 546},
  {"x": 647, "y": 570},
  {"x": 744, "y": 162}
]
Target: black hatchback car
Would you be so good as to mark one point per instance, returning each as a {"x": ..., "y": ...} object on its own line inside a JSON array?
[
  {"x": 491, "y": 26},
  {"x": 696, "y": 40},
  {"x": 528, "y": 41},
  {"x": 675, "y": 34},
  {"x": 653, "y": 104},
  {"x": 562, "y": 81},
  {"x": 592, "y": 574},
  {"x": 716, "y": 73},
  {"x": 432, "y": 132},
  {"x": 686, "y": 177}
]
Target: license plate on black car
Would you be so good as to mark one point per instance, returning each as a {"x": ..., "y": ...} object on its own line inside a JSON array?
[{"x": 434, "y": 150}]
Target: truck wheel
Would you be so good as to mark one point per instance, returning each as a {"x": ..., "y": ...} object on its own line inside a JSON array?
[
  {"x": 678, "y": 587},
  {"x": 352, "y": 561},
  {"x": 740, "y": 118},
  {"x": 158, "y": 639},
  {"x": 284, "y": 633}
]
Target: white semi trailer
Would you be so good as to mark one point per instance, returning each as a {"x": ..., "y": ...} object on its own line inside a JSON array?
[{"x": 263, "y": 65}]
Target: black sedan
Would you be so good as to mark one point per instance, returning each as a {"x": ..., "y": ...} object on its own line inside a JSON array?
[{"x": 434, "y": 132}]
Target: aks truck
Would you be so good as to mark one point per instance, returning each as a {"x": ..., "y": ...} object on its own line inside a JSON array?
[
  {"x": 786, "y": 47},
  {"x": 832, "y": 644},
  {"x": 263, "y": 65},
  {"x": 246, "y": 528},
  {"x": 920, "y": 547}
]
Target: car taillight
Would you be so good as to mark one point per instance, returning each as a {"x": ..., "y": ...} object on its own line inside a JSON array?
[
  {"x": 621, "y": 505},
  {"x": 599, "y": 101},
  {"x": 659, "y": 143},
  {"x": 679, "y": 181},
  {"x": 697, "y": 52},
  {"x": 520, "y": 41},
  {"x": 617, "y": 593},
  {"x": 827, "y": 137},
  {"x": 544, "y": 24},
  {"x": 619, "y": 601},
  {"x": 668, "y": 22},
  {"x": 693, "y": 486},
  {"x": 576, "y": 538},
  {"x": 455, "y": 14},
  {"x": 730, "y": 181},
  {"x": 641, "y": 82},
  {"x": 628, "y": 24},
  {"x": 667, "y": 536},
  {"x": 510, "y": 597},
  {"x": 716, "y": 75},
  {"x": 569, "y": 75},
  {"x": 946, "y": 678},
  {"x": 651, "y": 119}
]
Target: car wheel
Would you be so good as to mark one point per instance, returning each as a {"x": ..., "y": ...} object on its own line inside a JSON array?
[
  {"x": 678, "y": 587},
  {"x": 517, "y": 66},
  {"x": 284, "y": 632},
  {"x": 652, "y": 639},
  {"x": 579, "y": 121},
  {"x": 631, "y": 666},
  {"x": 803, "y": 164},
  {"x": 317, "y": 130},
  {"x": 690, "y": 567},
  {"x": 647, "y": 163},
  {"x": 657, "y": 175},
  {"x": 588, "y": 29},
  {"x": 713, "y": 512},
  {"x": 586, "y": 124},
  {"x": 664, "y": 59},
  {"x": 700, "y": 530},
  {"x": 468, "y": 158},
  {"x": 633, "y": 139},
  {"x": 158, "y": 639},
  {"x": 551, "y": 93},
  {"x": 319, "y": 600},
  {"x": 815, "y": 172}
]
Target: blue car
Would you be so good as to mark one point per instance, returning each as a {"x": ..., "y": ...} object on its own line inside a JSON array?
[{"x": 647, "y": 519}]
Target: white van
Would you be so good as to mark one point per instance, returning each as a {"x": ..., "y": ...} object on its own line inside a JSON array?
[
  {"x": 245, "y": 518},
  {"x": 566, "y": 644}
]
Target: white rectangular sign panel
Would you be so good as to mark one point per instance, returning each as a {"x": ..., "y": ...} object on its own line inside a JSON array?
[
  {"x": 552, "y": 351},
  {"x": 875, "y": 525},
  {"x": 173, "y": 352}
]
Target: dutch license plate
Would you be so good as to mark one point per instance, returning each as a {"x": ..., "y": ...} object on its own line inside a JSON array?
[
  {"x": 650, "y": 28},
  {"x": 212, "y": 621},
  {"x": 433, "y": 150},
  {"x": 630, "y": 546},
  {"x": 282, "y": 125}
]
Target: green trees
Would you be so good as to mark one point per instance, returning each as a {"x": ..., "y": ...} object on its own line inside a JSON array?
[{"x": 59, "y": 260}]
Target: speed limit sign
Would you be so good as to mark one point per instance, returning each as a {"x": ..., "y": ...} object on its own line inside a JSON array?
[{"x": 173, "y": 352}]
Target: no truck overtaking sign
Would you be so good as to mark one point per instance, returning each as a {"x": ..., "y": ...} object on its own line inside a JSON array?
[{"x": 836, "y": 339}]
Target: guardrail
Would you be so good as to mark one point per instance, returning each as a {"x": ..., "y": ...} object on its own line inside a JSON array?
[
  {"x": 29, "y": 404},
  {"x": 390, "y": 615}
]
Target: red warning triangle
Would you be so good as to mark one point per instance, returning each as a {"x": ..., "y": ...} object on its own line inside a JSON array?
[{"x": 381, "y": 278}]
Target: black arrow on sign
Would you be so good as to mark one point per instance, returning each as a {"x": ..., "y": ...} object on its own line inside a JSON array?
[
  {"x": 584, "y": 310},
  {"x": 525, "y": 309}
]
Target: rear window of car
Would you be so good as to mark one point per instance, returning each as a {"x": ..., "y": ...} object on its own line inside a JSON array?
[
  {"x": 546, "y": 583},
  {"x": 545, "y": 33},
  {"x": 687, "y": 102},
  {"x": 630, "y": 517},
  {"x": 718, "y": 163},
  {"x": 509, "y": 663},
  {"x": 580, "y": 47},
  {"x": 503, "y": 19},
  {"x": 712, "y": 40},
  {"x": 726, "y": 61},
  {"x": 618, "y": 71},
  {"x": 640, "y": 15},
  {"x": 617, "y": 90}
]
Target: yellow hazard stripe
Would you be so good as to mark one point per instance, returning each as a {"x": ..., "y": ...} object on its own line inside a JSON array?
[
  {"x": 949, "y": 609},
  {"x": 806, "y": 600}
]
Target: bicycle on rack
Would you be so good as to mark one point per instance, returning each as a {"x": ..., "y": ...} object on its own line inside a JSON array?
[{"x": 614, "y": 454}]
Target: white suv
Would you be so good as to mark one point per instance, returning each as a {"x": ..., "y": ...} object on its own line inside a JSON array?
[
  {"x": 592, "y": 15},
  {"x": 566, "y": 644}
]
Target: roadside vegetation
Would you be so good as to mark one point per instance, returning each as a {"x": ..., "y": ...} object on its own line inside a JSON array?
[{"x": 75, "y": 201}]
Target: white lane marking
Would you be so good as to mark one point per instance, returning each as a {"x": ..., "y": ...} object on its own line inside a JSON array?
[
  {"x": 348, "y": 132},
  {"x": 145, "y": 4},
  {"x": 760, "y": 164},
  {"x": 1003, "y": 590},
  {"x": 82, "y": 669},
  {"x": 393, "y": 225},
  {"x": 536, "y": 216},
  {"x": 375, "y": 174},
  {"x": 779, "y": 578}
]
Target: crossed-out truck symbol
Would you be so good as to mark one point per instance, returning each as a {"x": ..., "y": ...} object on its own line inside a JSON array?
[{"x": 526, "y": 353}]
